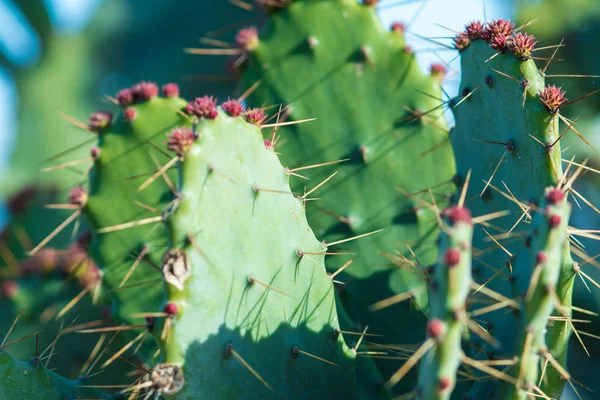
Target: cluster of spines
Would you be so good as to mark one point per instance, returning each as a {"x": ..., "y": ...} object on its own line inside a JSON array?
[
  {"x": 501, "y": 36},
  {"x": 449, "y": 287}
]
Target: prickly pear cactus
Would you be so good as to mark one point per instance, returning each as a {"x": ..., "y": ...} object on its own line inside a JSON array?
[
  {"x": 380, "y": 117},
  {"x": 243, "y": 261},
  {"x": 507, "y": 133}
]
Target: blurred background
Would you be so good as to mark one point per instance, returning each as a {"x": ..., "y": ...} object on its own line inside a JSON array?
[{"x": 65, "y": 56}]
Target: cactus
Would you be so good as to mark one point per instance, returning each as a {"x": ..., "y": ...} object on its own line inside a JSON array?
[
  {"x": 213, "y": 272},
  {"x": 380, "y": 117},
  {"x": 231, "y": 216},
  {"x": 243, "y": 260},
  {"x": 507, "y": 133}
]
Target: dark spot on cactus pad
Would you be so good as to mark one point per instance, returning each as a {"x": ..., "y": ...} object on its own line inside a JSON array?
[
  {"x": 167, "y": 379},
  {"x": 295, "y": 352},
  {"x": 487, "y": 195},
  {"x": 175, "y": 268},
  {"x": 510, "y": 145},
  {"x": 489, "y": 80}
]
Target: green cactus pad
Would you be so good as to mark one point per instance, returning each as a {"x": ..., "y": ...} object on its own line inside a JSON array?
[
  {"x": 251, "y": 310},
  {"x": 367, "y": 93}
]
